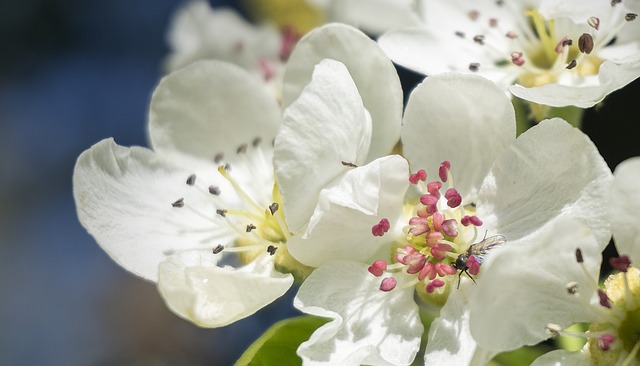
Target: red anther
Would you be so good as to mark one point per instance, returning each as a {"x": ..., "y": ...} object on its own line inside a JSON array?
[
  {"x": 604, "y": 299},
  {"x": 420, "y": 175},
  {"x": 434, "y": 189},
  {"x": 471, "y": 220},
  {"x": 445, "y": 270},
  {"x": 620, "y": 263},
  {"x": 437, "y": 219},
  {"x": 267, "y": 69},
  {"x": 454, "y": 199},
  {"x": 443, "y": 172},
  {"x": 418, "y": 225},
  {"x": 415, "y": 261},
  {"x": 511, "y": 35},
  {"x": 428, "y": 271},
  {"x": 378, "y": 267},
  {"x": 380, "y": 228},
  {"x": 605, "y": 340},
  {"x": 560, "y": 46},
  {"x": 289, "y": 40},
  {"x": 474, "y": 265},
  {"x": 438, "y": 251},
  {"x": 450, "y": 227},
  {"x": 433, "y": 285},
  {"x": 517, "y": 58},
  {"x": 428, "y": 200},
  {"x": 388, "y": 284}
]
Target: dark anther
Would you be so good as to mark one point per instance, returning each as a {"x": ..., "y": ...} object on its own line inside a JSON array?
[
  {"x": 271, "y": 249},
  {"x": 242, "y": 149},
  {"x": 479, "y": 39},
  {"x": 218, "y": 158},
  {"x": 214, "y": 190},
  {"x": 615, "y": 2},
  {"x": 256, "y": 141},
  {"x": 572, "y": 64},
  {"x": 585, "y": 43},
  {"x": 474, "y": 66},
  {"x": 218, "y": 248},
  {"x": 178, "y": 203},
  {"x": 460, "y": 34},
  {"x": 191, "y": 180},
  {"x": 630, "y": 16},
  {"x": 567, "y": 42},
  {"x": 221, "y": 212},
  {"x": 493, "y": 22},
  {"x": 500, "y": 2},
  {"x": 350, "y": 165},
  {"x": 274, "y": 207},
  {"x": 250, "y": 227},
  {"x": 579, "y": 255},
  {"x": 227, "y": 167},
  {"x": 572, "y": 288}
]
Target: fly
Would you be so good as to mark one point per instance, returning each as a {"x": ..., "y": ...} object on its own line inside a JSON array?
[{"x": 477, "y": 250}]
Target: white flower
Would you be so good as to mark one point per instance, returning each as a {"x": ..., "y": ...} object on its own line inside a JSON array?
[
  {"x": 372, "y": 16},
  {"x": 198, "y": 32},
  {"x": 557, "y": 53},
  {"x": 154, "y": 212},
  {"x": 469, "y": 122},
  {"x": 161, "y": 213},
  {"x": 536, "y": 290}
]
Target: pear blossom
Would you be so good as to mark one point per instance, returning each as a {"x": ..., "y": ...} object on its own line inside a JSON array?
[
  {"x": 198, "y": 32},
  {"x": 371, "y": 16},
  {"x": 567, "y": 53},
  {"x": 486, "y": 184},
  {"x": 208, "y": 189},
  {"x": 559, "y": 287}
]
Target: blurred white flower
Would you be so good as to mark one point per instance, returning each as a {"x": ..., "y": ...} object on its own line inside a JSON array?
[
  {"x": 372, "y": 16},
  {"x": 556, "y": 53}
]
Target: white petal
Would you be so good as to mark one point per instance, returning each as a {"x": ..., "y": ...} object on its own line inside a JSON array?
[
  {"x": 464, "y": 119},
  {"x": 325, "y": 127},
  {"x": 552, "y": 170},
  {"x": 208, "y": 108},
  {"x": 340, "y": 227},
  {"x": 577, "y": 10},
  {"x": 368, "y": 326},
  {"x": 371, "y": 70},
  {"x": 625, "y": 203},
  {"x": 124, "y": 196},
  {"x": 450, "y": 341},
  {"x": 564, "y": 358},
  {"x": 611, "y": 77},
  {"x": 195, "y": 288},
  {"x": 522, "y": 287}
]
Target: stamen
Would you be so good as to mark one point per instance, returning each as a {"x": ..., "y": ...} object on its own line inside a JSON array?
[
  {"x": 179, "y": 203},
  {"x": 572, "y": 288},
  {"x": 459, "y": 34},
  {"x": 433, "y": 285},
  {"x": 273, "y": 208},
  {"x": 218, "y": 248},
  {"x": 224, "y": 171},
  {"x": 378, "y": 267},
  {"x": 605, "y": 340},
  {"x": 420, "y": 175},
  {"x": 191, "y": 180},
  {"x": 454, "y": 199},
  {"x": 553, "y": 330},
  {"x": 214, "y": 190},
  {"x": 585, "y": 43},
  {"x": 271, "y": 249},
  {"x": 388, "y": 284},
  {"x": 242, "y": 149},
  {"x": 630, "y": 17},
  {"x": 571, "y": 65},
  {"x": 474, "y": 66},
  {"x": 251, "y": 227},
  {"x": 604, "y": 299},
  {"x": 222, "y": 212},
  {"x": 517, "y": 59},
  {"x": 382, "y": 227},
  {"x": 443, "y": 171},
  {"x": 594, "y": 22},
  {"x": 350, "y": 165},
  {"x": 218, "y": 158},
  {"x": 621, "y": 263}
]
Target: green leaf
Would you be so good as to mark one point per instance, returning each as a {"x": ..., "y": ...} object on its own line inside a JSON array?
[{"x": 278, "y": 345}]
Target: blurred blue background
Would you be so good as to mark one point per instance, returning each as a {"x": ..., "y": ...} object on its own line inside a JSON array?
[{"x": 72, "y": 73}]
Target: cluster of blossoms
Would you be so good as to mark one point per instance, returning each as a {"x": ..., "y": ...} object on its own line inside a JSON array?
[{"x": 246, "y": 191}]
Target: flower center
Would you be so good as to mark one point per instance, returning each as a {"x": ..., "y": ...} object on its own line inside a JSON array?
[
  {"x": 439, "y": 240},
  {"x": 232, "y": 210},
  {"x": 615, "y": 338}
]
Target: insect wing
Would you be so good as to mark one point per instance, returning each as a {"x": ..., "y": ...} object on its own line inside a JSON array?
[{"x": 480, "y": 249}]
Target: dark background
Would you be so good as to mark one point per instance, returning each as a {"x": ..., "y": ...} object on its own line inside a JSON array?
[{"x": 72, "y": 73}]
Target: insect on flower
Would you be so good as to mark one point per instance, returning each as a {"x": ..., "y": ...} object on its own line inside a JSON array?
[{"x": 474, "y": 256}]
